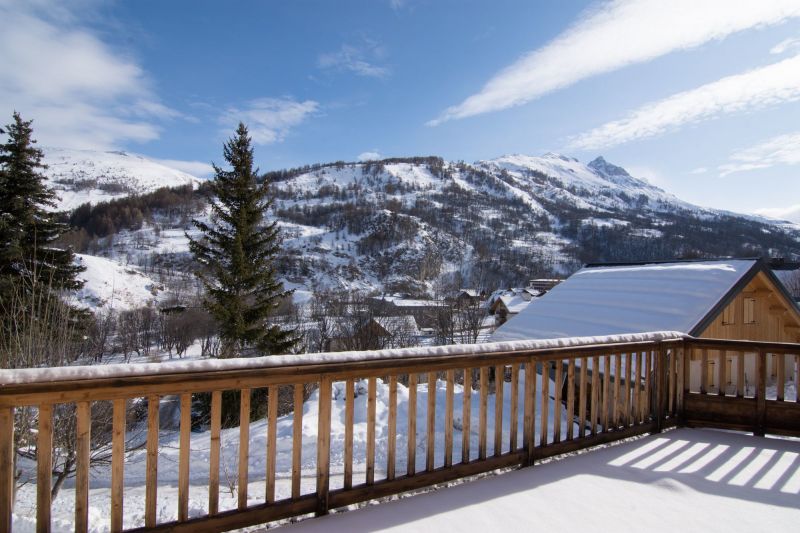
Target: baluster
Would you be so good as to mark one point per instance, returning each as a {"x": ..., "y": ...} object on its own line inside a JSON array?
[
  {"x": 448, "y": 419},
  {"x": 466, "y": 415},
  {"x": 499, "y": 381},
  {"x": 514, "y": 415},
  {"x": 323, "y": 445},
  {"x": 297, "y": 439},
  {"x": 213, "y": 467},
  {"x": 528, "y": 434},
  {"x": 244, "y": 446},
  {"x": 582, "y": 397},
  {"x": 44, "y": 467},
  {"x": 484, "y": 400},
  {"x": 118, "y": 461},
  {"x": 740, "y": 392},
  {"x": 411, "y": 466},
  {"x": 543, "y": 436},
  {"x": 151, "y": 476},
  {"x": 571, "y": 399},
  {"x": 83, "y": 444},
  {"x": 647, "y": 403},
  {"x": 371, "y": 406},
  {"x": 272, "y": 440},
  {"x": 348, "y": 432},
  {"x": 431, "y": 414},
  {"x": 557, "y": 401},
  {"x": 780, "y": 385},
  {"x": 183, "y": 457},
  {"x": 6, "y": 467},
  {"x": 606, "y": 392},
  {"x": 721, "y": 381},
  {"x": 671, "y": 383},
  {"x": 617, "y": 389},
  {"x": 392, "y": 437},
  {"x": 703, "y": 370},
  {"x": 595, "y": 398}
]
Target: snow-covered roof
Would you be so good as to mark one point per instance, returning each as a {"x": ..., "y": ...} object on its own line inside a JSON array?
[
  {"x": 610, "y": 300},
  {"x": 515, "y": 303},
  {"x": 396, "y": 324}
]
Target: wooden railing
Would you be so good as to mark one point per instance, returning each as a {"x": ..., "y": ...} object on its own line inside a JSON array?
[{"x": 600, "y": 393}]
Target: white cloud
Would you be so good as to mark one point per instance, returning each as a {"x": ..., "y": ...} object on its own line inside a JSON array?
[
  {"x": 699, "y": 170},
  {"x": 785, "y": 45},
  {"x": 195, "y": 168},
  {"x": 397, "y": 4},
  {"x": 774, "y": 84},
  {"x": 780, "y": 150},
  {"x": 269, "y": 119},
  {"x": 360, "y": 60},
  {"x": 791, "y": 213},
  {"x": 613, "y": 35},
  {"x": 370, "y": 156},
  {"x": 79, "y": 92}
]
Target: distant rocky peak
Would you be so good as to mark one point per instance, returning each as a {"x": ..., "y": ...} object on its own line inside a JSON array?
[{"x": 603, "y": 167}]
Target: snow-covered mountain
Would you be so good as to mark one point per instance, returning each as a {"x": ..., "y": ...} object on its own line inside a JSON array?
[
  {"x": 408, "y": 224},
  {"x": 81, "y": 176}
]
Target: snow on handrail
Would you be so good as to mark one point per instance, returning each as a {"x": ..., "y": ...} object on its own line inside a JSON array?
[{"x": 75, "y": 373}]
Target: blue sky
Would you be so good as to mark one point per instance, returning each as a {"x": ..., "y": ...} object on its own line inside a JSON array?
[{"x": 698, "y": 96}]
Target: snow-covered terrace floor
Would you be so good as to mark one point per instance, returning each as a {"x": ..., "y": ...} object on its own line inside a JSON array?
[{"x": 681, "y": 480}]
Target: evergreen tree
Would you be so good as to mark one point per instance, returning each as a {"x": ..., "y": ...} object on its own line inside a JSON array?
[
  {"x": 237, "y": 253},
  {"x": 28, "y": 228}
]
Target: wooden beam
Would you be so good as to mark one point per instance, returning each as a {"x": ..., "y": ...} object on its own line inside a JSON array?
[
  {"x": 514, "y": 415},
  {"x": 244, "y": 448},
  {"x": 297, "y": 439},
  {"x": 391, "y": 441},
  {"x": 83, "y": 449},
  {"x": 431, "y": 415},
  {"x": 466, "y": 415},
  {"x": 44, "y": 468},
  {"x": 372, "y": 387},
  {"x": 499, "y": 382},
  {"x": 183, "y": 457},
  {"x": 118, "y": 462},
  {"x": 448, "y": 419},
  {"x": 272, "y": 441},
  {"x": 349, "y": 394},
  {"x": 411, "y": 464},
  {"x": 324, "y": 445},
  {"x": 151, "y": 467},
  {"x": 6, "y": 467},
  {"x": 213, "y": 464}
]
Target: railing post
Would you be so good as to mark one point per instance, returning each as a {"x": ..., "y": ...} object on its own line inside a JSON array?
[
  {"x": 682, "y": 382},
  {"x": 323, "y": 445},
  {"x": 660, "y": 388},
  {"x": 6, "y": 467},
  {"x": 761, "y": 394}
]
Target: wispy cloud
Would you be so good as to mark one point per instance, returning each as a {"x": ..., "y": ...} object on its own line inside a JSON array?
[
  {"x": 372, "y": 155},
  {"x": 269, "y": 119},
  {"x": 780, "y": 150},
  {"x": 80, "y": 92},
  {"x": 602, "y": 40},
  {"x": 785, "y": 46},
  {"x": 362, "y": 60},
  {"x": 791, "y": 213},
  {"x": 774, "y": 84},
  {"x": 699, "y": 170}
]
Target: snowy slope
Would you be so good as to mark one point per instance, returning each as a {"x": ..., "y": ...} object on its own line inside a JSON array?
[
  {"x": 110, "y": 284},
  {"x": 80, "y": 176}
]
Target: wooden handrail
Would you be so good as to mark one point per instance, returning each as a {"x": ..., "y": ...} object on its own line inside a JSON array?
[{"x": 609, "y": 391}]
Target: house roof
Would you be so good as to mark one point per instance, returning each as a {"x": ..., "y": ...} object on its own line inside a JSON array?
[
  {"x": 618, "y": 298},
  {"x": 396, "y": 324}
]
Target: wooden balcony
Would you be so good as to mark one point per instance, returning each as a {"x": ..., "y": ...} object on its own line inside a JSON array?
[{"x": 605, "y": 392}]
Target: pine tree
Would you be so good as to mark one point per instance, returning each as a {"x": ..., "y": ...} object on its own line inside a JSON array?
[
  {"x": 28, "y": 228},
  {"x": 237, "y": 252}
]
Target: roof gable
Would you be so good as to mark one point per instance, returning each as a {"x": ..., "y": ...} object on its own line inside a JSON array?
[{"x": 607, "y": 300}]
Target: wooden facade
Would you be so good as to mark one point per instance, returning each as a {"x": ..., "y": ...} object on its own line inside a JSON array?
[{"x": 758, "y": 310}]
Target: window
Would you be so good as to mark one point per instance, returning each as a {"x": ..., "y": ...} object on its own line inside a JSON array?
[
  {"x": 729, "y": 315},
  {"x": 749, "y": 310}
]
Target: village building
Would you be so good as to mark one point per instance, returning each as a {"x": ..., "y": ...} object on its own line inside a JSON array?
[
  {"x": 505, "y": 304},
  {"x": 736, "y": 299}
]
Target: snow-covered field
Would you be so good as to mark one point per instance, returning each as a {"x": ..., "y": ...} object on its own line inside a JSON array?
[
  {"x": 134, "y": 499},
  {"x": 682, "y": 480}
]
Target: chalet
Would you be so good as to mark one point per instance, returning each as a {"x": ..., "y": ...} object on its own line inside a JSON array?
[
  {"x": 423, "y": 311},
  {"x": 467, "y": 297},
  {"x": 506, "y": 304},
  {"x": 544, "y": 284},
  {"x": 736, "y": 299}
]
